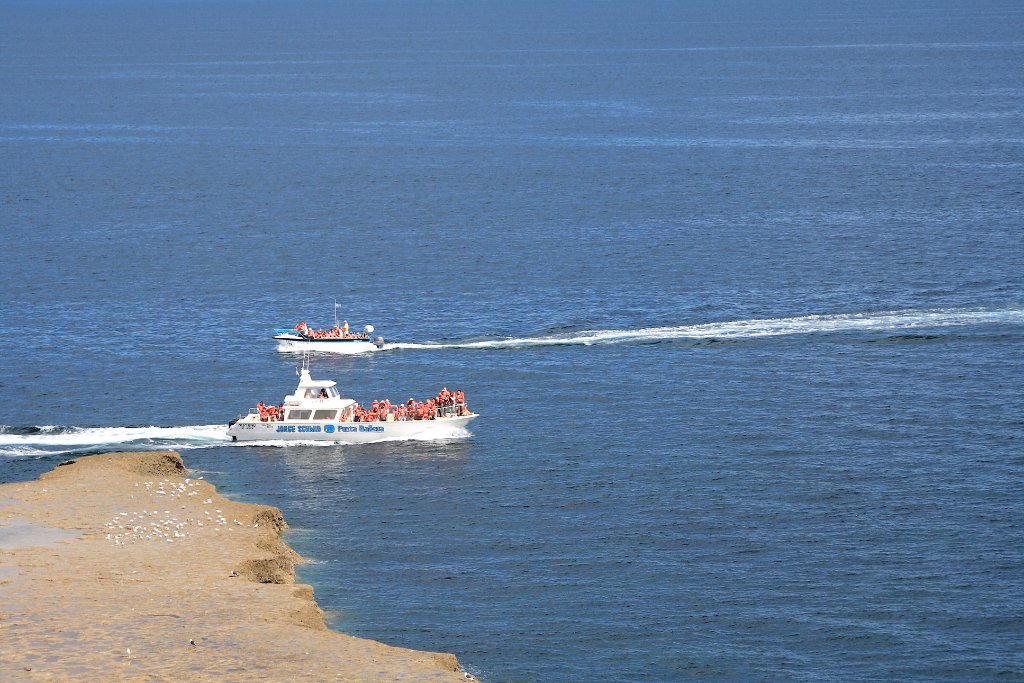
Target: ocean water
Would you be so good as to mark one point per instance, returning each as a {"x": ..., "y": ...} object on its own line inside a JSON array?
[{"x": 737, "y": 289}]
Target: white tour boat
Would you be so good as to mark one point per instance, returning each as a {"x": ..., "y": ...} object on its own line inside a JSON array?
[
  {"x": 304, "y": 338},
  {"x": 317, "y": 412},
  {"x": 339, "y": 339}
]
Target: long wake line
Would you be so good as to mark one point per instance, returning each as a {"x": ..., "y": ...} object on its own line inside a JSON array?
[{"x": 891, "y": 321}]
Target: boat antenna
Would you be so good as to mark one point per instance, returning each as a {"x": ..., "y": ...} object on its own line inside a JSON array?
[
  {"x": 336, "y": 313},
  {"x": 305, "y": 363}
]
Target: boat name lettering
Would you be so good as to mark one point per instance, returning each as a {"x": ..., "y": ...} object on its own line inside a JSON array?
[
  {"x": 370, "y": 428},
  {"x": 286, "y": 428},
  {"x": 309, "y": 428}
]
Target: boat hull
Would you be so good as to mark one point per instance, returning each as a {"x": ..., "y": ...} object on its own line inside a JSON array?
[
  {"x": 349, "y": 432},
  {"x": 344, "y": 346}
]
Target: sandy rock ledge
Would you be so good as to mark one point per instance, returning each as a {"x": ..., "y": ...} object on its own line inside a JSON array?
[{"x": 113, "y": 565}]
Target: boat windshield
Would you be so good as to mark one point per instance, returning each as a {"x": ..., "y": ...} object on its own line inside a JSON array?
[{"x": 324, "y": 392}]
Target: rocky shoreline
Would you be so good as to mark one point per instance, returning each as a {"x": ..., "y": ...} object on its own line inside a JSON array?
[{"x": 121, "y": 566}]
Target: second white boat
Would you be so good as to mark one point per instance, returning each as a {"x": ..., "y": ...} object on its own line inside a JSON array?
[{"x": 339, "y": 339}]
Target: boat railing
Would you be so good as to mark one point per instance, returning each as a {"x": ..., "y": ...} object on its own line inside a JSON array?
[
  {"x": 310, "y": 336},
  {"x": 450, "y": 410}
]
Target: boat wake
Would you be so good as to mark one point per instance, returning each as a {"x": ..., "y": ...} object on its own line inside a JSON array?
[
  {"x": 889, "y": 321},
  {"x": 28, "y": 442}
]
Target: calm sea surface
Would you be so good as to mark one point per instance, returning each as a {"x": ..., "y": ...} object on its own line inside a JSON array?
[{"x": 737, "y": 288}]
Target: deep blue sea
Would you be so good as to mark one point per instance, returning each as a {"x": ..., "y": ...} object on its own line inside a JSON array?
[{"x": 737, "y": 288}]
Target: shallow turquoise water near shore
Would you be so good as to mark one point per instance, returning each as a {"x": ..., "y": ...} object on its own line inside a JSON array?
[{"x": 738, "y": 291}]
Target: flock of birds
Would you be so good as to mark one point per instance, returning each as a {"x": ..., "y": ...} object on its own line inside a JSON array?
[{"x": 149, "y": 525}]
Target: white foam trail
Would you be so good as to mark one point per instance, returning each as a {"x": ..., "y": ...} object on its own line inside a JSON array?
[
  {"x": 52, "y": 440},
  {"x": 889, "y": 321}
]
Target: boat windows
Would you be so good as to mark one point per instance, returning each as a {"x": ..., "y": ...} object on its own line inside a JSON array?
[
  {"x": 324, "y": 414},
  {"x": 299, "y": 414},
  {"x": 325, "y": 392}
]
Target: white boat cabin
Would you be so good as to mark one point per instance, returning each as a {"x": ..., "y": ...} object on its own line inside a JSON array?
[{"x": 316, "y": 401}]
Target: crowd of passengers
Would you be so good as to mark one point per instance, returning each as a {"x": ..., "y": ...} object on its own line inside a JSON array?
[
  {"x": 333, "y": 333},
  {"x": 270, "y": 413},
  {"x": 445, "y": 404}
]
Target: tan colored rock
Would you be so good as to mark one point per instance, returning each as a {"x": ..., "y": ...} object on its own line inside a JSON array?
[{"x": 110, "y": 565}]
